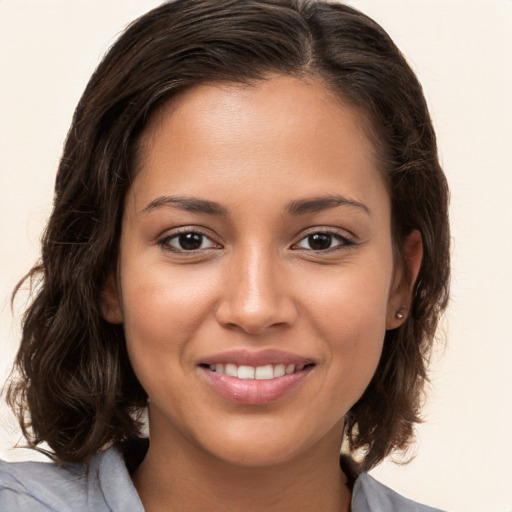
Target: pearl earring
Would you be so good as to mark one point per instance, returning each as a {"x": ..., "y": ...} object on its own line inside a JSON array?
[{"x": 399, "y": 313}]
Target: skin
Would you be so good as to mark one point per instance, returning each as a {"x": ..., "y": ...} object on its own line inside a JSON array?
[{"x": 255, "y": 283}]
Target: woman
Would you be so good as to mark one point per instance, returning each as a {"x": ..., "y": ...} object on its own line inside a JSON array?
[{"x": 250, "y": 238}]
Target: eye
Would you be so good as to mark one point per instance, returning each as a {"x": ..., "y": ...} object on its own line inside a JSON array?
[
  {"x": 187, "y": 241},
  {"x": 322, "y": 241}
]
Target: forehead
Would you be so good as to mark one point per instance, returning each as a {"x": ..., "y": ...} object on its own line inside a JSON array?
[
  {"x": 270, "y": 102},
  {"x": 292, "y": 130}
]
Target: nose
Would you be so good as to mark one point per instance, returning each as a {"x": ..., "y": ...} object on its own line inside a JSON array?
[{"x": 257, "y": 294}]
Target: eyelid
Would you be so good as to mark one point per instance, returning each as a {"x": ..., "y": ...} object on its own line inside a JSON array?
[
  {"x": 346, "y": 238},
  {"x": 173, "y": 233}
]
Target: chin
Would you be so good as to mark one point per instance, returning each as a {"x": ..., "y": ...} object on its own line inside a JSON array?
[
  {"x": 257, "y": 455},
  {"x": 268, "y": 445}
]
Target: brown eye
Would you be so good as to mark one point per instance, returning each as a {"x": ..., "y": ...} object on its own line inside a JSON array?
[
  {"x": 319, "y": 241},
  {"x": 190, "y": 241},
  {"x": 187, "y": 242},
  {"x": 323, "y": 241}
]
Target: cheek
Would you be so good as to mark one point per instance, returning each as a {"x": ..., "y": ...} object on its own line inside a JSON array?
[
  {"x": 351, "y": 320},
  {"x": 158, "y": 295},
  {"x": 162, "y": 309},
  {"x": 352, "y": 302}
]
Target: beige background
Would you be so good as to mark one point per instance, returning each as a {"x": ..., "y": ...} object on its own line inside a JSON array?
[{"x": 462, "y": 51}]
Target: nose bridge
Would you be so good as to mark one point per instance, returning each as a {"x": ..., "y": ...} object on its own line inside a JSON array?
[
  {"x": 256, "y": 296},
  {"x": 257, "y": 289}
]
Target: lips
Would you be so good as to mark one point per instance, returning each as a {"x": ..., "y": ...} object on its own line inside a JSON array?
[{"x": 255, "y": 377}]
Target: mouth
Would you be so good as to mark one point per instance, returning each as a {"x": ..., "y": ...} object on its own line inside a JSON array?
[
  {"x": 266, "y": 372},
  {"x": 255, "y": 378}
]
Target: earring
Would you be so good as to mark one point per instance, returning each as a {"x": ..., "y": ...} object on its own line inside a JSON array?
[{"x": 399, "y": 313}]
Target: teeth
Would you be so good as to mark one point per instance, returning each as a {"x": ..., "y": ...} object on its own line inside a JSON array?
[
  {"x": 246, "y": 372},
  {"x": 266, "y": 372},
  {"x": 229, "y": 369},
  {"x": 279, "y": 370}
]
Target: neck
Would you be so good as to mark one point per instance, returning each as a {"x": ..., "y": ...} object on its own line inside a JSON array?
[{"x": 179, "y": 476}]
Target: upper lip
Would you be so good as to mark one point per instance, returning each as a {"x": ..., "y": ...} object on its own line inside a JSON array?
[{"x": 256, "y": 358}]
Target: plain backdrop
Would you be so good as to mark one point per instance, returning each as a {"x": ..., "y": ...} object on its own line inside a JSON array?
[{"x": 462, "y": 52}]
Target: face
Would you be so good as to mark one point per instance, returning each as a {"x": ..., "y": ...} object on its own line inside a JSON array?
[{"x": 256, "y": 274}]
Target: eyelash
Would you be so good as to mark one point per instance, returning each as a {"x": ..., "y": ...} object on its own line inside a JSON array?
[
  {"x": 344, "y": 241},
  {"x": 165, "y": 242}
]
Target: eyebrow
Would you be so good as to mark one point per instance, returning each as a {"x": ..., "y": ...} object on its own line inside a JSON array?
[
  {"x": 189, "y": 204},
  {"x": 317, "y": 204},
  {"x": 299, "y": 207}
]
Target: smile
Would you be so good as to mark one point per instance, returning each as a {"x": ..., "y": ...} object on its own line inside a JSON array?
[
  {"x": 266, "y": 372},
  {"x": 255, "y": 378}
]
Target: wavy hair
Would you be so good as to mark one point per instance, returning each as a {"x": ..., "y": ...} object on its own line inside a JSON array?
[{"x": 75, "y": 388}]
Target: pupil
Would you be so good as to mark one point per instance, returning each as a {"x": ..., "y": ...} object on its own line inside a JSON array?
[
  {"x": 320, "y": 241},
  {"x": 190, "y": 241}
]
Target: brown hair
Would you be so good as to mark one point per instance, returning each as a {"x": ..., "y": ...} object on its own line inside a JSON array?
[{"x": 75, "y": 380}]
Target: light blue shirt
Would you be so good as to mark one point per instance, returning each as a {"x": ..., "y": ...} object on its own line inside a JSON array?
[{"x": 104, "y": 485}]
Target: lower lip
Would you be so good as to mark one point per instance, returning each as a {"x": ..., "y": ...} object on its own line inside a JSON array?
[{"x": 254, "y": 391}]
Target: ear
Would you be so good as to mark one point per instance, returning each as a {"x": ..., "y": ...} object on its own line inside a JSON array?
[
  {"x": 406, "y": 273},
  {"x": 109, "y": 301}
]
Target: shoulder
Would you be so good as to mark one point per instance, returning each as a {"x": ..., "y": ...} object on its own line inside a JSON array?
[
  {"x": 369, "y": 495},
  {"x": 41, "y": 486},
  {"x": 102, "y": 485}
]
